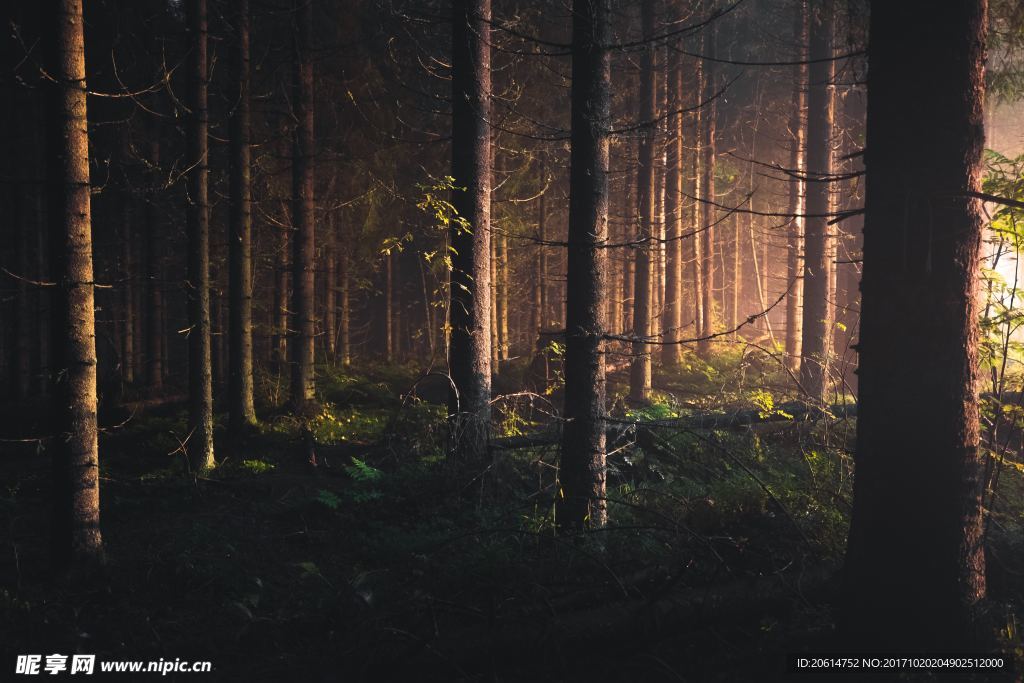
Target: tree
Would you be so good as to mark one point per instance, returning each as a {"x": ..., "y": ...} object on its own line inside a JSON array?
[
  {"x": 915, "y": 565},
  {"x": 582, "y": 472},
  {"x": 469, "y": 354},
  {"x": 640, "y": 365},
  {"x": 708, "y": 120},
  {"x": 795, "y": 251},
  {"x": 200, "y": 373},
  {"x": 300, "y": 344},
  {"x": 241, "y": 412},
  {"x": 818, "y": 310},
  {"x": 76, "y": 540},
  {"x": 672, "y": 351}
]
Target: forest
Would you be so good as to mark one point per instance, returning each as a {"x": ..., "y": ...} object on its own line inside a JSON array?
[{"x": 512, "y": 340}]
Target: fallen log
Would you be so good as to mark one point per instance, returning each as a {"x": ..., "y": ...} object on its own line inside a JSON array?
[{"x": 793, "y": 411}]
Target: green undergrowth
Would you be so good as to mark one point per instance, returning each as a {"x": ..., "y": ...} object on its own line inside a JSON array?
[{"x": 275, "y": 566}]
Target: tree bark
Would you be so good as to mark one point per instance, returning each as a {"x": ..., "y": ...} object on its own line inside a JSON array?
[
  {"x": 818, "y": 311},
  {"x": 672, "y": 354},
  {"x": 797, "y": 187},
  {"x": 344, "y": 340},
  {"x": 155, "y": 346},
  {"x": 582, "y": 471},
  {"x": 75, "y": 531},
  {"x": 915, "y": 565},
  {"x": 241, "y": 412},
  {"x": 331, "y": 292},
  {"x": 200, "y": 378},
  {"x": 640, "y": 365},
  {"x": 301, "y": 348},
  {"x": 469, "y": 354},
  {"x": 281, "y": 271},
  {"x": 707, "y": 196},
  {"x": 695, "y": 184},
  {"x": 540, "y": 265}
]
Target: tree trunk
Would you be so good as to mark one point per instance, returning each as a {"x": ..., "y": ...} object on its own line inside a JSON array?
[
  {"x": 301, "y": 341},
  {"x": 695, "y": 184},
  {"x": 76, "y": 541},
  {"x": 707, "y": 197},
  {"x": 200, "y": 377},
  {"x": 640, "y": 365},
  {"x": 155, "y": 345},
  {"x": 672, "y": 353},
  {"x": 389, "y": 308},
  {"x": 344, "y": 340},
  {"x": 915, "y": 564},
  {"x": 241, "y": 412},
  {"x": 538, "y": 321},
  {"x": 127, "y": 285},
  {"x": 797, "y": 187},
  {"x": 817, "y": 314},
  {"x": 331, "y": 293},
  {"x": 281, "y": 270},
  {"x": 501, "y": 252},
  {"x": 582, "y": 470},
  {"x": 469, "y": 355}
]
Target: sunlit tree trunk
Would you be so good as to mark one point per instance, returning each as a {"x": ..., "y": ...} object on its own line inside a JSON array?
[
  {"x": 640, "y": 367},
  {"x": 795, "y": 232},
  {"x": 241, "y": 412},
  {"x": 818, "y": 314},
  {"x": 76, "y": 541},
  {"x": 200, "y": 378},
  {"x": 915, "y": 563},
  {"x": 673, "y": 317},
  {"x": 301, "y": 341},
  {"x": 695, "y": 189},
  {"x": 538, "y": 321},
  {"x": 502, "y": 286},
  {"x": 582, "y": 471},
  {"x": 707, "y": 197},
  {"x": 469, "y": 355}
]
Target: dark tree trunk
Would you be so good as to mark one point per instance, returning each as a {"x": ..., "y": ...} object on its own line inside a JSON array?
[
  {"x": 640, "y": 365},
  {"x": 281, "y": 269},
  {"x": 344, "y": 340},
  {"x": 76, "y": 541},
  {"x": 155, "y": 346},
  {"x": 200, "y": 373},
  {"x": 331, "y": 292},
  {"x": 915, "y": 564},
  {"x": 241, "y": 412},
  {"x": 469, "y": 355},
  {"x": 127, "y": 317},
  {"x": 301, "y": 340},
  {"x": 795, "y": 233},
  {"x": 582, "y": 472},
  {"x": 21, "y": 334},
  {"x": 672, "y": 353},
  {"x": 389, "y": 312},
  {"x": 818, "y": 311}
]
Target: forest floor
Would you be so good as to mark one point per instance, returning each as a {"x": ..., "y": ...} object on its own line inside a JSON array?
[{"x": 386, "y": 561}]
